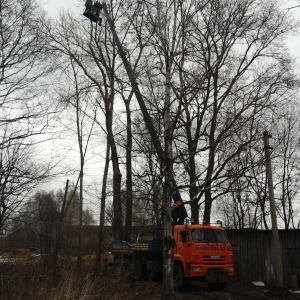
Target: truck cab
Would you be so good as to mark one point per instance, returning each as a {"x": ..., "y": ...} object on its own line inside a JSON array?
[{"x": 202, "y": 252}]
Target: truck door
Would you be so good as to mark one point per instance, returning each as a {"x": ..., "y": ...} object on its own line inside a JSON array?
[{"x": 184, "y": 245}]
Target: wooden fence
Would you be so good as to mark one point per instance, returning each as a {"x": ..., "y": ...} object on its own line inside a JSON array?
[{"x": 254, "y": 255}]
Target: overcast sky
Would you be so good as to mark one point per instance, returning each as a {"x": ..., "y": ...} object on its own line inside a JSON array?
[{"x": 53, "y": 7}]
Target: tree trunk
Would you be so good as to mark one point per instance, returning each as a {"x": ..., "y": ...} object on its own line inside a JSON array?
[
  {"x": 207, "y": 187},
  {"x": 128, "y": 216},
  {"x": 117, "y": 176},
  {"x": 60, "y": 228},
  {"x": 168, "y": 283},
  {"x": 117, "y": 199},
  {"x": 99, "y": 257}
]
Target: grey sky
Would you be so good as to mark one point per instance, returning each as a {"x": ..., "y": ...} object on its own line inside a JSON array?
[{"x": 53, "y": 7}]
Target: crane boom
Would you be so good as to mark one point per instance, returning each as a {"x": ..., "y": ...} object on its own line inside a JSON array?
[{"x": 179, "y": 212}]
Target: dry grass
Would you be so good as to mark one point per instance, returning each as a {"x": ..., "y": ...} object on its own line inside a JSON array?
[{"x": 25, "y": 278}]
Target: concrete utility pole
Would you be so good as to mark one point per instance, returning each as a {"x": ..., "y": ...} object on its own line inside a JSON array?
[{"x": 277, "y": 250}]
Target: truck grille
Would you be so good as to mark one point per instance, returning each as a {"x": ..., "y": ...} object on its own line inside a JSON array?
[{"x": 212, "y": 260}]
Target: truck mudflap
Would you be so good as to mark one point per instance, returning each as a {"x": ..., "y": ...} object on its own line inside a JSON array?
[{"x": 217, "y": 276}]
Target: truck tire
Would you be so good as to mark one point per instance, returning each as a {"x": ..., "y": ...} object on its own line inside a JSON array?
[
  {"x": 125, "y": 268},
  {"x": 139, "y": 270},
  {"x": 179, "y": 279},
  {"x": 155, "y": 276},
  {"x": 217, "y": 286}
]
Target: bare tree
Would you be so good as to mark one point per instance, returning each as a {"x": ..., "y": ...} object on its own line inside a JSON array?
[
  {"x": 19, "y": 174},
  {"x": 55, "y": 216},
  {"x": 287, "y": 171},
  {"x": 43, "y": 213},
  {"x": 102, "y": 57},
  {"x": 22, "y": 51},
  {"x": 236, "y": 70},
  {"x": 82, "y": 135},
  {"x": 23, "y": 112},
  {"x": 244, "y": 198},
  {"x": 167, "y": 40}
]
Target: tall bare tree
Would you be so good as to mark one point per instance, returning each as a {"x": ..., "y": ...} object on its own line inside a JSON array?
[
  {"x": 286, "y": 160},
  {"x": 237, "y": 68},
  {"x": 19, "y": 174},
  {"x": 23, "y": 112},
  {"x": 22, "y": 51},
  {"x": 96, "y": 57}
]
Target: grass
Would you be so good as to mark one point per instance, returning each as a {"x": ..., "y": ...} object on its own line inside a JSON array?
[{"x": 25, "y": 278}]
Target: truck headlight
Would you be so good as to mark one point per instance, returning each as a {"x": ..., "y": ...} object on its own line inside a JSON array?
[
  {"x": 197, "y": 269},
  {"x": 230, "y": 268}
]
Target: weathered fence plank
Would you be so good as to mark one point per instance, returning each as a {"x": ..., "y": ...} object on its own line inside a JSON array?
[{"x": 254, "y": 255}]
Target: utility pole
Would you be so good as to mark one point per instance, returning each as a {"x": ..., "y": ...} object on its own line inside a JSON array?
[{"x": 277, "y": 250}]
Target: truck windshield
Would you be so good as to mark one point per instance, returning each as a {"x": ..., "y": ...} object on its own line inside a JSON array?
[{"x": 209, "y": 235}]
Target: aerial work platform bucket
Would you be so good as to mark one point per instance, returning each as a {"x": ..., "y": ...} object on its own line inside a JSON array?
[{"x": 91, "y": 15}]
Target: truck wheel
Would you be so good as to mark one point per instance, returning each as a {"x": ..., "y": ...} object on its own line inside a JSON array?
[
  {"x": 139, "y": 270},
  {"x": 125, "y": 268},
  {"x": 155, "y": 276},
  {"x": 179, "y": 279},
  {"x": 217, "y": 286}
]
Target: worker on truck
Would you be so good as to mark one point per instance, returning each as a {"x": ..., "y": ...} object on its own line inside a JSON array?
[{"x": 178, "y": 212}]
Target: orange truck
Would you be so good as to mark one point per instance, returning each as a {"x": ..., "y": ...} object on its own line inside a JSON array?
[{"x": 202, "y": 252}]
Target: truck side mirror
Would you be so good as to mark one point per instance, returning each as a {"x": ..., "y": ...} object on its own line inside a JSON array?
[
  {"x": 220, "y": 223},
  {"x": 184, "y": 236}
]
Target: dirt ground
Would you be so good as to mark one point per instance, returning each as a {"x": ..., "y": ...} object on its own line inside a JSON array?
[
  {"x": 107, "y": 288},
  {"x": 25, "y": 279},
  {"x": 234, "y": 290}
]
